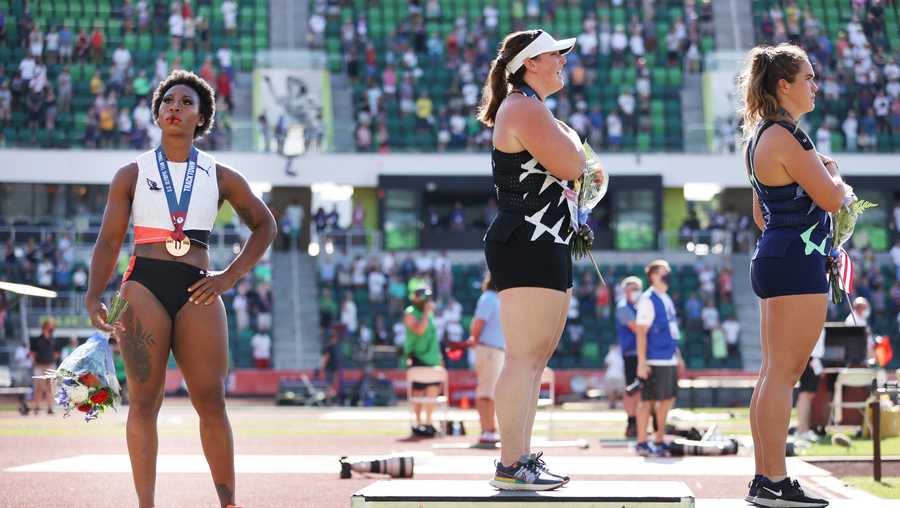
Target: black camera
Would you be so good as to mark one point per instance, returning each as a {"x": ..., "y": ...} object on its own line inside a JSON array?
[{"x": 636, "y": 386}]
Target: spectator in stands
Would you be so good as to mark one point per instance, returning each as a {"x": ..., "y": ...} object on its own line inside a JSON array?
[
  {"x": 732, "y": 328},
  {"x": 44, "y": 356},
  {"x": 658, "y": 356},
  {"x": 327, "y": 308},
  {"x": 223, "y": 87},
  {"x": 64, "y": 89},
  {"x": 176, "y": 28},
  {"x": 223, "y": 54},
  {"x": 5, "y": 108},
  {"x": 262, "y": 349},
  {"x": 50, "y": 109},
  {"x": 421, "y": 348},
  {"x": 229, "y": 15},
  {"x": 349, "y": 318},
  {"x": 98, "y": 44},
  {"x": 626, "y": 328}
]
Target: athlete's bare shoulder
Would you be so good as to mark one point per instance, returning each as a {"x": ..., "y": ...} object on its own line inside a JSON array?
[{"x": 125, "y": 179}]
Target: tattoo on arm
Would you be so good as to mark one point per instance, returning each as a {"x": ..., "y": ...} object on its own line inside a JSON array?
[
  {"x": 226, "y": 496},
  {"x": 136, "y": 348}
]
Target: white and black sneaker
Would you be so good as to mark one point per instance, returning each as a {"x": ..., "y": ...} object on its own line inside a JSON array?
[
  {"x": 525, "y": 474},
  {"x": 543, "y": 467},
  {"x": 785, "y": 494}
]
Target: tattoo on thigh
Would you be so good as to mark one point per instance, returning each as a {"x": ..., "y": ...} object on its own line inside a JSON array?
[
  {"x": 226, "y": 496},
  {"x": 136, "y": 345}
]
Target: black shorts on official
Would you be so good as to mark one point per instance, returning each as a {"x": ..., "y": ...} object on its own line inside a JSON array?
[
  {"x": 519, "y": 262},
  {"x": 662, "y": 384},
  {"x": 809, "y": 381},
  {"x": 630, "y": 368}
]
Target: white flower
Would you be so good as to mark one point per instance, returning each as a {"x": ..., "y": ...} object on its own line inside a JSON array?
[{"x": 78, "y": 394}]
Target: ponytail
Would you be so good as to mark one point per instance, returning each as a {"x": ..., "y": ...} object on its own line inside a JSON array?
[
  {"x": 765, "y": 67},
  {"x": 498, "y": 83},
  {"x": 495, "y": 90}
]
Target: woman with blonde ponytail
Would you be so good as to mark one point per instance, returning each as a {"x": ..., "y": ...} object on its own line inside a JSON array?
[
  {"x": 535, "y": 157},
  {"x": 794, "y": 191}
]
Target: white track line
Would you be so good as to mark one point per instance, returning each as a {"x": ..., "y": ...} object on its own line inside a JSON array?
[{"x": 426, "y": 464}]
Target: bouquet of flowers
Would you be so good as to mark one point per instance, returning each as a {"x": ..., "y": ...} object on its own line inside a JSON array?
[
  {"x": 86, "y": 379},
  {"x": 589, "y": 189},
  {"x": 840, "y": 267}
]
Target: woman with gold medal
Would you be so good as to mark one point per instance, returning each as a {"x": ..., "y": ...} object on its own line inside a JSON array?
[{"x": 172, "y": 195}]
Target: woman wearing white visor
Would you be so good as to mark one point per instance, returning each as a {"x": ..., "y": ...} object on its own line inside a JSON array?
[{"x": 535, "y": 157}]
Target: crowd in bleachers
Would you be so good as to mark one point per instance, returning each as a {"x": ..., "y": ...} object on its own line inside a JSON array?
[
  {"x": 853, "y": 48},
  {"x": 362, "y": 298},
  {"x": 55, "y": 263},
  {"x": 418, "y": 67},
  {"x": 82, "y": 73}
]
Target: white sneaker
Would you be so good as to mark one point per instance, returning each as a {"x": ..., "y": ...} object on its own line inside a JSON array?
[{"x": 489, "y": 437}]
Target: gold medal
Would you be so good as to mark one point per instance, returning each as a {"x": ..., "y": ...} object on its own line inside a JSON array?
[{"x": 178, "y": 248}]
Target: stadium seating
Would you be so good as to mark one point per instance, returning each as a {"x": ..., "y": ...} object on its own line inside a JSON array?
[
  {"x": 390, "y": 29},
  {"x": 145, "y": 45},
  {"x": 587, "y": 337},
  {"x": 807, "y": 22},
  {"x": 54, "y": 264}
]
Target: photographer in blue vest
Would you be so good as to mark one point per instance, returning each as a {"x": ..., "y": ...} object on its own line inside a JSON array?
[
  {"x": 626, "y": 326},
  {"x": 657, "y": 356}
]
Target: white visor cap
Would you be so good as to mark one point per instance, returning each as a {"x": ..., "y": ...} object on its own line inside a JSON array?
[{"x": 545, "y": 43}]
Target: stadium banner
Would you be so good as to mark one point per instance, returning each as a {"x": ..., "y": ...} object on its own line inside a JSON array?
[{"x": 296, "y": 105}]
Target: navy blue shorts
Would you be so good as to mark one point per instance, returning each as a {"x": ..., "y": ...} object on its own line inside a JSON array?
[{"x": 781, "y": 267}]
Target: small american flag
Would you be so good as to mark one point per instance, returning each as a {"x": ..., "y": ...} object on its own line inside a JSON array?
[{"x": 846, "y": 270}]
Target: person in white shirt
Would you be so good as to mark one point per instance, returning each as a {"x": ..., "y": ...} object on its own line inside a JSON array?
[
  {"x": 823, "y": 140},
  {"x": 895, "y": 250},
  {"x": 615, "y": 374},
  {"x": 262, "y": 349},
  {"x": 348, "y": 313},
  {"x": 851, "y": 130},
  {"x": 860, "y": 317},
  {"x": 710, "y": 316},
  {"x": 229, "y": 15},
  {"x": 658, "y": 356},
  {"x": 732, "y": 329}
]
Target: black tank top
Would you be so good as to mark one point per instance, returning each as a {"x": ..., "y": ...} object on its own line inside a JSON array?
[{"x": 527, "y": 193}]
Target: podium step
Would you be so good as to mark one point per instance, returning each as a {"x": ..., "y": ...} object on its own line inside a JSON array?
[{"x": 474, "y": 494}]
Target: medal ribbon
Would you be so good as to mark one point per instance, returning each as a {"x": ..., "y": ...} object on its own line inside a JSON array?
[{"x": 178, "y": 208}]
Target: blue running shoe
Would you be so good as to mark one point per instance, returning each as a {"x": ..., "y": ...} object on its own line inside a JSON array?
[
  {"x": 526, "y": 475},
  {"x": 644, "y": 449},
  {"x": 660, "y": 449},
  {"x": 785, "y": 494}
]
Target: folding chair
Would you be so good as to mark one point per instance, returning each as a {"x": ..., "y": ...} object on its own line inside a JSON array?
[
  {"x": 428, "y": 375},
  {"x": 857, "y": 378}
]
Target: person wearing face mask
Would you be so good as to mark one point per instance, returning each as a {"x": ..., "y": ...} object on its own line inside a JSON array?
[
  {"x": 626, "y": 313},
  {"x": 859, "y": 316},
  {"x": 422, "y": 349},
  {"x": 657, "y": 335}
]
